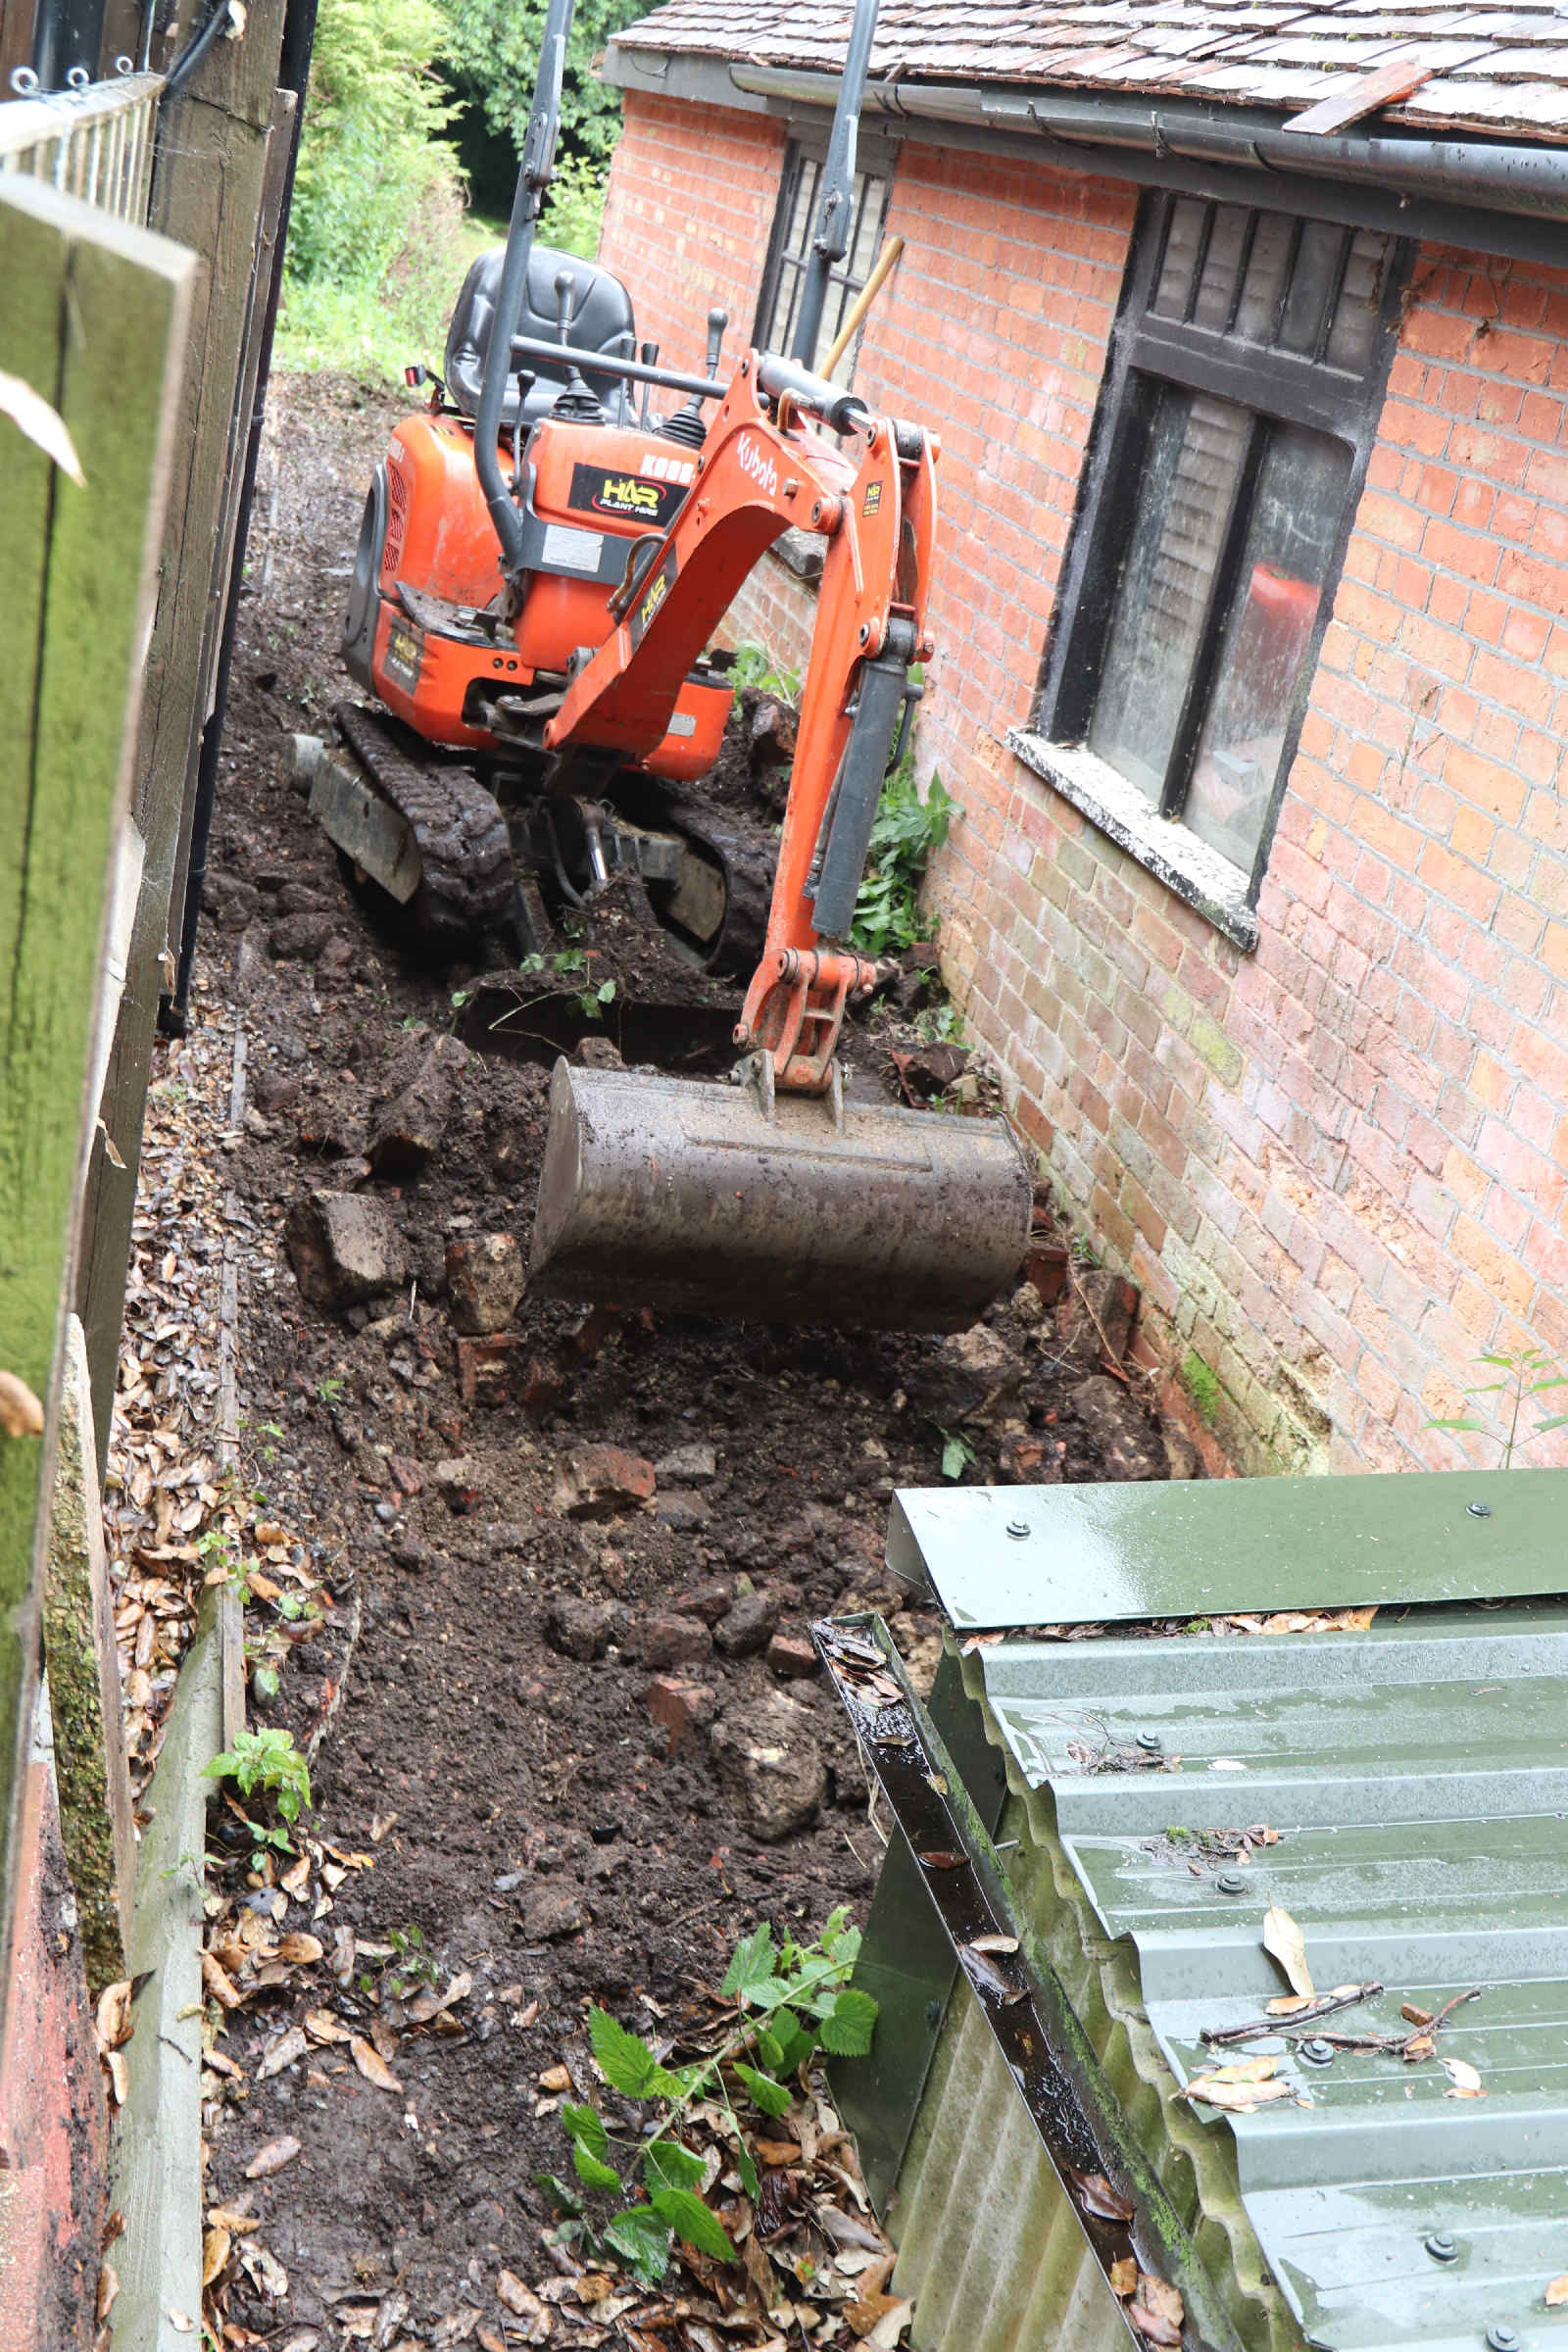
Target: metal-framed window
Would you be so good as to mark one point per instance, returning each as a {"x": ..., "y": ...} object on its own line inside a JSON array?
[
  {"x": 1238, "y": 408},
  {"x": 790, "y": 246}
]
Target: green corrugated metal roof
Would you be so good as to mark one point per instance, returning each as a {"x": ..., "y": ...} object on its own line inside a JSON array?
[
  {"x": 1058, "y": 1556},
  {"x": 1417, "y": 1777}
]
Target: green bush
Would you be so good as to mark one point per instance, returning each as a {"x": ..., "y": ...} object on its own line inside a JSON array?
[
  {"x": 888, "y": 915},
  {"x": 491, "y": 50},
  {"x": 373, "y": 167}
]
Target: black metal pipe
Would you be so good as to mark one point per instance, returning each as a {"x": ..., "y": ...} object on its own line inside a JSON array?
[
  {"x": 533, "y": 177},
  {"x": 191, "y": 57},
  {"x": 601, "y": 363},
  {"x": 836, "y": 208},
  {"x": 293, "y": 73}
]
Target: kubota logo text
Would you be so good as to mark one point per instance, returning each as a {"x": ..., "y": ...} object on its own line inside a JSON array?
[{"x": 753, "y": 458}]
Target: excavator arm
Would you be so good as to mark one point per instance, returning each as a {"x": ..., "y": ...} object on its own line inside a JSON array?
[{"x": 766, "y": 466}]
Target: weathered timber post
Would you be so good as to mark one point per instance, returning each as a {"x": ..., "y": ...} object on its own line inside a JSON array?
[
  {"x": 207, "y": 192},
  {"x": 92, "y": 315}
]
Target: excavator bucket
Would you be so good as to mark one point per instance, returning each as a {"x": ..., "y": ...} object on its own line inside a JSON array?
[{"x": 692, "y": 1197}]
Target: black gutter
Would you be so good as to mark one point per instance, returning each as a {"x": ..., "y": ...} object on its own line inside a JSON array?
[
  {"x": 293, "y": 73},
  {"x": 1496, "y": 196},
  {"x": 1499, "y": 177}
]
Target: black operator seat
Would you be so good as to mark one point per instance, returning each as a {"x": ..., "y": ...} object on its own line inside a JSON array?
[{"x": 602, "y": 322}]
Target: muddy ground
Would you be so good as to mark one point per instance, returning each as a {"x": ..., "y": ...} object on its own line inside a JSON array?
[{"x": 532, "y": 1729}]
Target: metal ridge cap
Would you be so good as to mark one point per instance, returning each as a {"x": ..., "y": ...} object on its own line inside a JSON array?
[{"x": 1425, "y": 1796}]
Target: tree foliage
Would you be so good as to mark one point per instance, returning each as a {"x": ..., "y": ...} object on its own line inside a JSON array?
[
  {"x": 492, "y": 56},
  {"x": 371, "y": 158}
]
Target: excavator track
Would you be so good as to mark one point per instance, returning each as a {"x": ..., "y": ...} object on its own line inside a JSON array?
[
  {"x": 747, "y": 852},
  {"x": 466, "y": 869}
]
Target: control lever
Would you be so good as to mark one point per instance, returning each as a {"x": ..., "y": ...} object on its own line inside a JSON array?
[
  {"x": 649, "y": 354},
  {"x": 687, "y": 423},
  {"x": 580, "y": 402},
  {"x": 527, "y": 379}
]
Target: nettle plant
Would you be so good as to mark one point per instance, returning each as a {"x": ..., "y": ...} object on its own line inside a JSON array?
[{"x": 789, "y": 2000}]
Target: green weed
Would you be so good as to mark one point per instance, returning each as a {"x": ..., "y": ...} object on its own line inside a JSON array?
[
  {"x": 886, "y": 913},
  {"x": 788, "y": 1999},
  {"x": 1524, "y": 1373},
  {"x": 1202, "y": 1385}
]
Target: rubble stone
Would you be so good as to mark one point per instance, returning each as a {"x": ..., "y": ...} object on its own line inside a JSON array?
[
  {"x": 711, "y": 1601},
  {"x": 1181, "y": 1454},
  {"x": 769, "y": 1762},
  {"x": 982, "y": 1368},
  {"x": 746, "y": 1627},
  {"x": 344, "y": 1247},
  {"x": 301, "y": 937},
  {"x": 579, "y": 1629},
  {"x": 681, "y": 1707},
  {"x": 1129, "y": 1449},
  {"x": 455, "y": 1480},
  {"x": 601, "y": 1482},
  {"x": 487, "y": 1278},
  {"x": 553, "y": 1909},
  {"x": 667, "y": 1639},
  {"x": 688, "y": 1466},
  {"x": 792, "y": 1658},
  {"x": 682, "y": 1514},
  {"x": 411, "y": 1119}
]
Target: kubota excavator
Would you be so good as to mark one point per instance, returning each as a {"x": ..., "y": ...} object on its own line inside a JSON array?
[{"x": 539, "y": 572}]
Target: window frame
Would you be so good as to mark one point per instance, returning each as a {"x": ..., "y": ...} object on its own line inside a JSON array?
[
  {"x": 807, "y": 143},
  {"x": 1145, "y": 354}
]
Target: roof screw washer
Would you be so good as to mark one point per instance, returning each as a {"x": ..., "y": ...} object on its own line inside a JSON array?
[
  {"x": 1230, "y": 1881},
  {"x": 1441, "y": 2246},
  {"x": 1502, "y": 2338},
  {"x": 1150, "y": 1741},
  {"x": 1018, "y": 1528},
  {"x": 1318, "y": 2051},
  {"x": 1479, "y": 1510}
]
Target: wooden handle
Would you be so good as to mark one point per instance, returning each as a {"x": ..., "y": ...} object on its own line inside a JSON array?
[{"x": 861, "y": 303}]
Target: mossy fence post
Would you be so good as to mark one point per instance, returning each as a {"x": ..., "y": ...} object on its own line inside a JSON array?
[{"x": 93, "y": 316}]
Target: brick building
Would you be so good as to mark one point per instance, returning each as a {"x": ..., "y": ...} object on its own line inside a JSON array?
[{"x": 1253, "y": 661}]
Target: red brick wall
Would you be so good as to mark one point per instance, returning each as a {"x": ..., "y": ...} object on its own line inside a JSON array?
[{"x": 1335, "y": 1167}]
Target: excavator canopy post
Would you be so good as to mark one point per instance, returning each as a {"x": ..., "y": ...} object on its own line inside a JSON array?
[{"x": 704, "y": 1199}]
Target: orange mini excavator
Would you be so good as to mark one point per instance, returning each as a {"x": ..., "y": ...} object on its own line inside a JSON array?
[{"x": 539, "y": 572}]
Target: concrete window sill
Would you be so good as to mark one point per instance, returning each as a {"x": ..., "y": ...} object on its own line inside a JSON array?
[{"x": 1175, "y": 857}]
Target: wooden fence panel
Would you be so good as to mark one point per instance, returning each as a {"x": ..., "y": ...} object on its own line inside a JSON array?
[{"x": 94, "y": 314}]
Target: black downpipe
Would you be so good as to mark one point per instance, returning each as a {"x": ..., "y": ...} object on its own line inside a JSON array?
[
  {"x": 191, "y": 57},
  {"x": 67, "y": 36},
  {"x": 533, "y": 177},
  {"x": 837, "y": 208},
  {"x": 293, "y": 73}
]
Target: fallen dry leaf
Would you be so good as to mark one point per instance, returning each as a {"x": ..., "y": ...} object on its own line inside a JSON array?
[
  {"x": 216, "y": 2247},
  {"x": 1235, "y": 2098},
  {"x": 943, "y": 1858},
  {"x": 1156, "y": 2311},
  {"x": 108, "y": 2290},
  {"x": 1465, "y": 2083},
  {"x": 1288, "y": 2004},
  {"x": 1557, "y": 2292},
  {"x": 525, "y": 2305},
  {"x": 555, "y": 2078},
  {"x": 299, "y": 1950},
  {"x": 1124, "y": 2276},
  {"x": 888, "y": 2330},
  {"x": 322, "y": 2026},
  {"x": 273, "y": 2158},
  {"x": 1283, "y": 1938},
  {"x": 284, "y": 2051},
  {"x": 429, "y": 2003},
  {"x": 994, "y": 1943},
  {"x": 21, "y": 1413},
  {"x": 1419, "y": 2045},
  {"x": 1097, "y": 2196},
  {"x": 115, "y": 2020},
  {"x": 119, "y": 2077},
  {"x": 228, "y": 2216},
  {"x": 380, "y": 1826},
  {"x": 221, "y": 1984},
  {"x": 1244, "y": 2069},
  {"x": 371, "y": 2065}
]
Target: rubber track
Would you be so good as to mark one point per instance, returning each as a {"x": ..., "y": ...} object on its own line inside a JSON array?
[
  {"x": 465, "y": 871},
  {"x": 748, "y": 851}
]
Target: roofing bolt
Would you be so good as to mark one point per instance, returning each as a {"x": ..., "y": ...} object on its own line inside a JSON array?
[
  {"x": 1481, "y": 1510},
  {"x": 1150, "y": 1741},
  {"x": 1318, "y": 2051},
  {"x": 1230, "y": 1881},
  {"x": 1441, "y": 2246},
  {"x": 1502, "y": 2338},
  {"x": 1018, "y": 1528}
]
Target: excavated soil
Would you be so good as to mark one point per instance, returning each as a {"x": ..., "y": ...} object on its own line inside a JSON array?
[{"x": 517, "y": 1808}]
